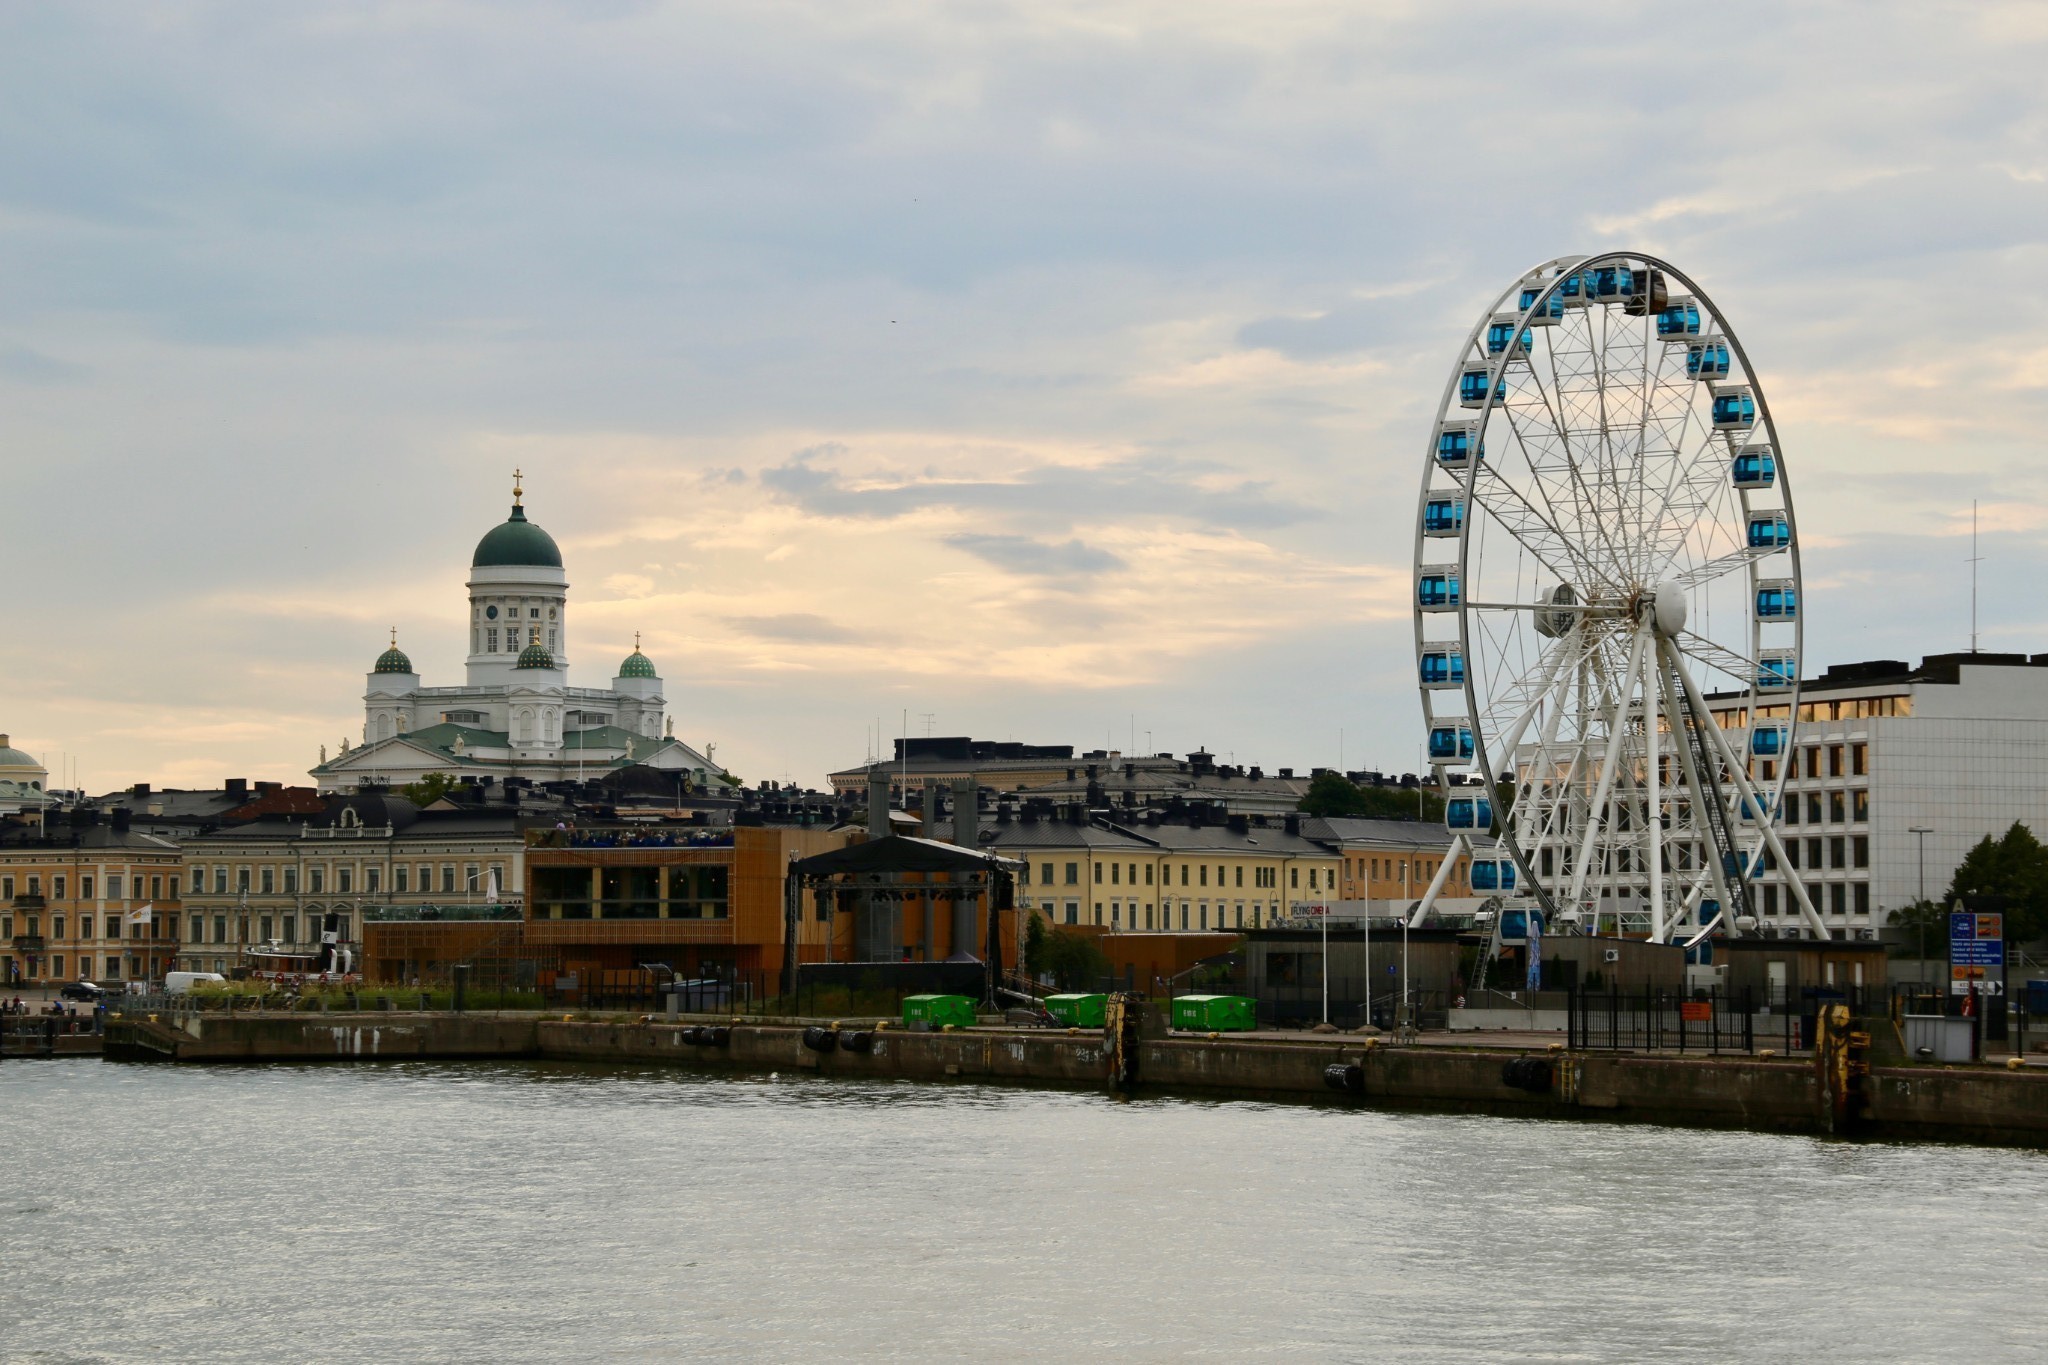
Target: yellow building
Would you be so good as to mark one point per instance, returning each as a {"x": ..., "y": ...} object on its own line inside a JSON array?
[
  {"x": 1157, "y": 873},
  {"x": 94, "y": 901}
]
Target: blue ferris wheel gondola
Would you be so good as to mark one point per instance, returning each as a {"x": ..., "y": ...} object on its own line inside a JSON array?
[
  {"x": 1549, "y": 314},
  {"x": 1679, "y": 319},
  {"x": 1706, "y": 359},
  {"x": 1450, "y": 744},
  {"x": 1493, "y": 874},
  {"x": 1767, "y": 741},
  {"x": 1613, "y": 282},
  {"x": 1436, "y": 588},
  {"x": 1755, "y": 467},
  {"x": 1734, "y": 409},
  {"x": 1777, "y": 599},
  {"x": 1504, "y": 334},
  {"x": 1442, "y": 666},
  {"x": 1472, "y": 387},
  {"x": 1443, "y": 515},
  {"x": 1457, "y": 443},
  {"x": 1769, "y": 531},
  {"x": 1468, "y": 813}
]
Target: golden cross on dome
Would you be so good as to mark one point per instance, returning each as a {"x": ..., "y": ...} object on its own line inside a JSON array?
[
  {"x": 394, "y": 637},
  {"x": 636, "y": 642},
  {"x": 517, "y": 492}
]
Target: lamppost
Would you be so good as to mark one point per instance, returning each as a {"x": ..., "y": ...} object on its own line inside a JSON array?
[{"x": 1922, "y": 831}]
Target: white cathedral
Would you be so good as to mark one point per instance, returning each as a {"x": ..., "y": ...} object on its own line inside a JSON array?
[{"x": 517, "y": 716}]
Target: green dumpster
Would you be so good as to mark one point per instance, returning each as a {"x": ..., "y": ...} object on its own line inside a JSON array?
[
  {"x": 1215, "y": 1013},
  {"x": 935, "y": 1011},
  {"x": 1080, "y": 1011}
]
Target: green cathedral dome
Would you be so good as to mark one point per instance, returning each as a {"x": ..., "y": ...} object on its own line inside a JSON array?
[
  {"x": 517, "y": 541},
  {"x": 637, "y": 665},
  {"x": 393, "y": 660},
  {"x": 535, "y": 655}
]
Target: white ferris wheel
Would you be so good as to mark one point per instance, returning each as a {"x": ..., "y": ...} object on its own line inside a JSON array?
[{"x": 1608, "y": 607}]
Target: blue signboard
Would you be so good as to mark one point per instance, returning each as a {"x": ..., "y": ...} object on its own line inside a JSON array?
[
  {"x": 1976, "y": 954},
  {"x": 1976, "y": 940}
]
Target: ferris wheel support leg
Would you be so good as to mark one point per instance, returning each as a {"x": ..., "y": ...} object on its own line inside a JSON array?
[
  {"x": 1459, "y": 847},
  {"x": 1669, "y": 663},
  {"x": 1616, "y": 722},
  {"x": 1768, "y": 828},
  {"x": 1653, "y": 816}
]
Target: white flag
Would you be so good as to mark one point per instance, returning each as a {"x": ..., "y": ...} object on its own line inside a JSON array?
[
  {"x": 141, "y": 915},
  {"x": 494, "y": 889}
]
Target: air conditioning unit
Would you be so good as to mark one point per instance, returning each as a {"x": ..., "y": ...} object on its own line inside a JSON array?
[{"x": 1610, "y": 954}]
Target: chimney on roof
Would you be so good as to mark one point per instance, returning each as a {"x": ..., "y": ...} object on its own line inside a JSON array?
[
  {"x": 1258, "y": 775},
  {"x": 966, "y": 815},
  {"x": 236, "y": 786},
  {"x": 1240, "y": 824},
  {"x": 1287, "y": 772},
  {"x": 878, "y": 805},
  {"x": 121, "y": 814},
  {"x": 139, "y": 790},
  {"x": 1294, "y": 824}
]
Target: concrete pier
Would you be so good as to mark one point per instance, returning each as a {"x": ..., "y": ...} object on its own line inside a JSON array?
[{"x": 1975, "y": 1104}]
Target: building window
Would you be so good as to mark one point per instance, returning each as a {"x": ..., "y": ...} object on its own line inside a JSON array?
[
  {"x": 1183, "y": 874},
  {"x": 1240, "y": 876},
  {"x": 1835, "y": 766},
  {"x": 344, "y": 880},
  {"x": 85, "y": 888},
  {"x": 57, "y": 887},
  {"x": 1859, "y": 759},
  {"x": 198, "y": 929},
  {"x": 472, "y": 878},
  {"x": 269, "y": 881},
  {"x": 220, "y": 881},
  {"x": 1813, "y": 808},
  {"x": 399, "y": 877},
  {"x": 316, "y": 880},
  {"x": 1205, "y": 874},
  {"x": 1859, "y": 806},
  {"x": 1838, "y": 852},
  {"x": 1791, "y": 853},
  {"x": 291, "y": 881},
  {"x": 1148, "y": 882},
  {"x": 35, "y": 885},
  {"x": 220, "y": 928},
  {"x": 1073, "y": 912},
  {"x": 1073, "y": 877},
  {"x": 1861, "y": 850},
  {"x": 6, "y": 888},
  {"x": 491, "y": 640},
  {"x": 1294, "y": 877},
  {"x": 1098, "y": 874},
  {"x": 1838, "y": 808},
  {"x": 1098, "y": 912},
  {"x": 115, "y": 883},
  {"x": 263, "y": 928},
  {"x": 1116, "y": 874},
  {"x": 241, "y": 879},
  {"x": 1838, "y": 898},
  {"x": 1770, "y": 900},
  {"x": 171, "y": 927},
  {"x": 57, "y": 966},
  {"x": 174, "y": 888},
  {"x": 156, "y": 888},
  {"x": 1203, "y": 912},
  {"x": 448, "y": 878},
  {"x": 56, "y": 926},
  {"x": 1862, "y": 898}
]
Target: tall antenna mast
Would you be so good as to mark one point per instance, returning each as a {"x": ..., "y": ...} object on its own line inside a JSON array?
[{"x": 1975, "y": 560}]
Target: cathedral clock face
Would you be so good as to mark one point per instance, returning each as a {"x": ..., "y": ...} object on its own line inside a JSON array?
[{"x": 490, "y": 613}]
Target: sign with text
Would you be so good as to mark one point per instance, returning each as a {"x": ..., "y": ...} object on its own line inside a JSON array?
[{"x": 1976, "y": 953}]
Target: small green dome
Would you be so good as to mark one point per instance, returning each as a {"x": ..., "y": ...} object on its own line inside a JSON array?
[
  {"x": 637, "y": 665},
  {"x": 393, "y": 660},
  {"x": 517, "y": 541},
  {"x": 535, "y": 655}
]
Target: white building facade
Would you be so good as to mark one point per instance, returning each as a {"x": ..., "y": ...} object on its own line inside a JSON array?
[
  {"x": 1887, "y": 762},
  {"x": 516, "y": 714}
]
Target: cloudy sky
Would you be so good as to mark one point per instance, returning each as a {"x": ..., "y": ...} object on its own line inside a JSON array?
[{"x": 1058, "y": 371}]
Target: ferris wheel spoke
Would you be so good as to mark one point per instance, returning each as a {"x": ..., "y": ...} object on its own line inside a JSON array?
[{"x": 1737, "y": 666}]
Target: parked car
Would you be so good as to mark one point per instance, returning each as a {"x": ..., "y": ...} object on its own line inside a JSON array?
[{"x": 80, "y": 990}]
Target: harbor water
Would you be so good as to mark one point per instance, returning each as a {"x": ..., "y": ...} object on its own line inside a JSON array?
[{"x": 540, "y": 1212}]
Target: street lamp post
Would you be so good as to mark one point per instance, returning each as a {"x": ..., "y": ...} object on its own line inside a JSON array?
[{"x": 1922, "y": 831}]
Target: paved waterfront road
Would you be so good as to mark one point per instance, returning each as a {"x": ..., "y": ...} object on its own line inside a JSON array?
[{"x": 422, "y": 1212}]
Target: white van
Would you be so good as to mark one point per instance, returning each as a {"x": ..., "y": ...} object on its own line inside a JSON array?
[{"x": 178, "y": 983}]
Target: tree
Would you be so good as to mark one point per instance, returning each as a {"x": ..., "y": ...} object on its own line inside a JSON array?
[
  {"x": 430, "y": 788},
  {"x": 1331, "y": 793},
  {"x": 2014, "y": 865},
  {"x": 1073, "y": 960},
  {"x": 1034, "y": 944}
]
